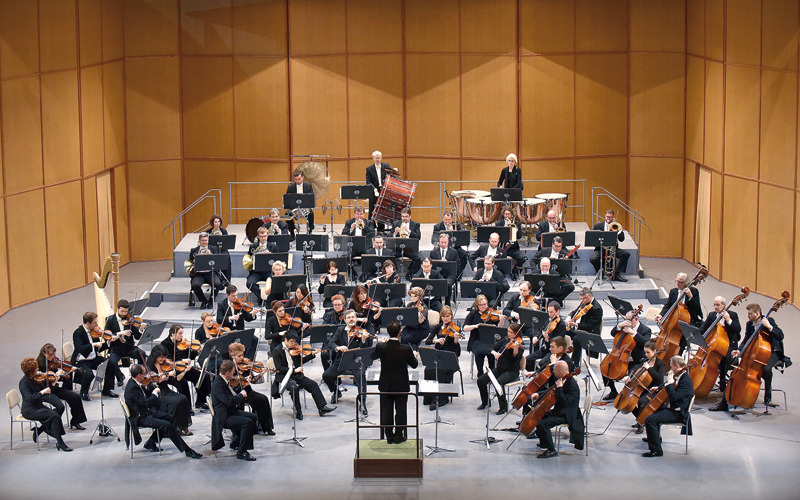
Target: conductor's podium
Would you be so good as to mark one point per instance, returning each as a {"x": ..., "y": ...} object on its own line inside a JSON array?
[{"x": 378, "y": 458}]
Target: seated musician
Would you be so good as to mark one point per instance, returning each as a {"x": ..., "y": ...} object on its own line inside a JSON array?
[
  {"x": 427, "y": 272},
  {"x": 301, "y": 305},
  {"x": 507, "y": 354},
  {"x": 550, "y": 225},
  {"x": 176, "y": 351},
  {"x": 206, "y": 330},
  {"x": 174, "y": 403},
  {"x": 479, "y": 349},
  {"x": 443, "y": 340},
  {"x": 691, "y": 299},
  {"x": 557, "y": 251},
  {"x": 565, "y": 286},
  {"x": 258, "y": 247},
  {"x": 377, "y": 249},
  {"x": 447, "y": 224},
  {"x": 47, "y": 361},
  {"x": 566, "y": 411},
  {"x": 522, "y": 299},
  {"x": 656, "y": 368},
  {"x": 444, "y": 252},
  {"x": 143, "y": 401},
  {"x": 347, "y": 337},
  {"x": 332, "y": 277},
  {"x": 555, "y": 327},
  {"x": 257, "y": 401},
  {"x": 203, "y": 277},
  {"x": 487, "y": 249},
  {"x": 230, "y": 312},
  {"x": 511, "y": 175},
  {"x": 680, "y": 390},
  {"x": 557, "y": 350},
  {"x": 358, "y": 225},
  {"x": 491, "y": 273},
  {"x": 300, "y": 186},
  {"x": 289, "y": 362},
  {"x": 34, "y": 395},
  {"x": 407, "y": 228},
  {"x": 733, "y": 329},
  {"x": 86, "y": 358},
  {"x": 275, "y": 225},
  {"x": 278, "y": 269},
  {"x": 513, "y": 251},
  {"x": 124, "y": 346},
  {"x": 416, "y": 333},
  {"x": 622, "y": 256},
  {"x": 641, "y": 334},
  {"x": 335, "y": 315},
  {"x": 279, "y": 323},
  {"x": 215, "y": 226},
  {"x": 229, "y": 414},
  {"x": 366, "y": 316},
  {"x": 589, "y": 319}
]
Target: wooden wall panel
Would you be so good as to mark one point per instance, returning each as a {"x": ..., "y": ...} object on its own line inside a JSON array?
[
  {"x": 365, "y": 15},
  {"x": 715, "y": 17},
  {"x": 554, "y": 24},
  {"x": 610, "y": 173},
  {"x": 689, "y": 209},
  {"x": 424, "y": 25},
  {"x": 113, "y": 28},
  {"x": 740, "y": 203},
  {"x": 20, "y": 41},
  {"x": 778, "y": 126},
  {"x": 260, "y": 107},
  {"x": 114, "y": 113},
  {"x": 375, "y": 92},
  {"x": 695, "y": 28},
  {"x": 152, "y": 96},
  {"x": 22, "y": 134},
  {"x": 317, "y": 27},
  {"x": 207, "y": 106},
  {"x": 151, "y": 27},
  {"x": 695, "y": 108},
  {"x": 60, "y": 126},
  {"x": 489, "y": 105},
  {"x": 58, "y": 49},
  {"x": 65, "y": 238},
  {"x": 259, "y": 27},
  {"x": 715, "y": 229},
  {"x": 714, "y": 115},
  {"x": 702, "y": 229},
  {"x": 428, "y": 194},
  {"x": 4, "y": 293},
  {"x": 105, "y": 216},
  {"x": 601, "y": 104},
  {"x": 206, "y": 27},
  {"x": 432, "y": 105},
  {"x": 659, "y": 202},
  {"x": 122, "y": 229},
  {"x": 741, "y": 120},
  {"x": 200, "y": 176},
  {"x": 89, "y": 27},
  {"x": 779, "y": 33},
  {"x": 775, "y": 243},
  {"x": 743, "y": 31},
  {"x": 257, "y": 195},
  {"x": 547, "y": 104},
  {"x": 657, "y": 102},
  {"x": 28, "y": 253},
  {"x": 601, "y": 26},
  {"x": 658, "y": 26},
  {"x": 489, "y": 26},
  {"x": 92, "y": 119},
  {"x": 91, "y": 232},
  {"x": 154, "y": 205},
  {"x": 537, "y": 174},
  {"x": 319, "y": 106}
]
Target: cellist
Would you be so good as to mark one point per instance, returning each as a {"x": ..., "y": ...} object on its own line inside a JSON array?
[
  {"x": 656, "y": 367},
  {"x": 680, "y": 390},
  {"x": 733, "y": 329},
  {"x": 691, "y": 299},
  {"x": 566, "y": 411},
  {"x": 641, "y": 335}
]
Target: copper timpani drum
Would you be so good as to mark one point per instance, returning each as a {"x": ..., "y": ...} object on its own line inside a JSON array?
[
  {"x": 459, "y": 201},
  {"x": 555, "y": 201},
  {"x": 530, "y": 210},
  {"x": 396, "y": 194},
  {"x": 482, "y": 210}
]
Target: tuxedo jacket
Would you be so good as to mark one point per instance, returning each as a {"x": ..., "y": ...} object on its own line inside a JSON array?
[
  {"x": 775, "y": 338},
  {"x": 601, "y": 226},
  {"x": 140, "y": 400},
  {"x": 439, "y": 227},
  {"x": 734, "y": 330},
  {"x": 226, "y": 404},
  {"x": 307, "y": 188},
  {"x": 342, "y": 338},
  {"x": 680, "y": 394},
  {"x": 372, "y": 175},
  {"x": 693, "y": 305},
  {"x": 413, "y": 226},
  {"x": 126, "y": 342},
  {"x": 497, "y": 277},
  {"x": 434, "y": 275},
  {"x": 592, "y": 321},
  {"x": 224, "y": 312},
  {"x": 641, "y": 337},
  {"x": 546, "y": 251},
  {"x": 395, "y": 360},
  {"x": 281, "y": 224},
  {"x": 544, "y": 227},
  {"x": 481, "y": 253},
  {"x": 451, "y": 254},
  {"x": 82, "y": 343},
  {"x": 369, "y": 228},
  {"x": 657, "y": 371}
]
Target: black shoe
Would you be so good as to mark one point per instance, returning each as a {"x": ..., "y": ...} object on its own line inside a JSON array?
[
  {"x": 547, "y": 454},
  {"x": 502, "y": 411},
  {"x": 269, "y": 433},
  {"x": 335, "y": 397},
  {"x": 85, "y": 397},
  {"x": 399, "y": 439},
  {"x": 299, "y": 415},
  {"x": 620, "y": 277},
  {"x": 650, "y": 454},
  {"x": 364, "y": 412},
  {"x": 482, "y": 406},
  {"x": 721, "y": 406},
  {"x": 190, "y": 453},
  {"x": 120, "y": 382},
  {"x": 77, "y": 427},
  {"x": 151, "y": 446},
  {"x": 579, "y": 445},
  {"x": 110, "y": 394},
  {"x": 639, "y": 429},
  {"x": 234, "y": 445},
  {"x": 327, "y": 409},
  {"x": 432, "y": 406},
  {"x": 63, "y": 447},
  {"x": 390, "y": 440},
  {"x": 610, "y": 397},
  {"x": 201, "y": 406},
  {"x": 644, "y": 439},
  {"x": 243, "y": 455}
]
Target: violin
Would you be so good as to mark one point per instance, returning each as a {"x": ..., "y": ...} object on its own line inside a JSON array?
[
  {"x": 358, "y": 332},
  {"x": 543, "y": 405},
  {"x": 578, "y": 315},
  {"x": 530, "y": 302},
  {"x": 492, "y": 315},
  {"x": 133, "y": 321},
  {"x": 305, "y": 350},
  {"x": 670, "y": 334},
  {"x": 615, "y": 364},
  {"x": 307, "y": 304},
  {"x": 56, "y": 364},
  {"x": 515, "y": 342},
  {"x": 292, "y": 321},
  {"x": 371, "y": 304},
  {"x": 216, "y": 329},
  {"x": 452, "y": 330},
  {"x": 185, "y": 345},
  {"x": 238, "y": 381},
  {"x": 256, "y": 368},
  {"x": 150, "y": 378},
  {"x": 48, "y": 376},
  {"x": 240, "y": 305},
  {"x": 99, "y": 334}
]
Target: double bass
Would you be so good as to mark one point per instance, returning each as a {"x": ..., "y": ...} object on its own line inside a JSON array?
[
  {"x": 745, "y": 381},
  {"x": 543, "y": 405},
  {"x": 615, "y": 364},
  {"x": 656, "y": 402},
  {"x": 670, "y": 334},
  {"x": 704, "y": 366}
]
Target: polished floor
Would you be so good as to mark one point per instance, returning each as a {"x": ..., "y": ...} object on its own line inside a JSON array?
[{"x": 753, "y": 457}]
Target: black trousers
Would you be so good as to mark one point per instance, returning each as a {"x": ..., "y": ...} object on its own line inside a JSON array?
[
  {"x": 243, "y": 426},
  {"x": 332, "y": 372},
  {"x": 197, "y": 285},
  {"x": 653, "y": 426},
  {"x": 445, "y": 377},
  {"x": 138, "y": 355},
  {"x": 610, "y": 384},
  {"x": 543, "y": 429},
  {"x": 260, "y": 405},
  {"x": 394, "y": 412},
  {"x": 162, "y": 422},
  {"x": 73, "y": 399},
  {"x": 300, "y": 381},
  {"x": 193, "y": 375},
  {"x": 50, "y": 419},
  {"x": 87, "y": 367},
  {"x": 503, "y": 378},
  {"x": 479, "y": 362},
  {"x": 252, "y": 279}
]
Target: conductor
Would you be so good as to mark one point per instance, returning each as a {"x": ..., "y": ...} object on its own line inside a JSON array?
[{"x": 395, "y": 360}]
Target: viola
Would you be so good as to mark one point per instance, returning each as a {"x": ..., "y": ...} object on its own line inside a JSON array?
[
  {"x": 305, "y": 350},
  {"x": 543, "y": 405},
  {"x": 185, "y": 345},
  {"x": 530, "y": 302},
  {"x": 578, "y": 315},
  {"x": 99, "y": 334},
  {"x": 133, "y": 321},
  {"x": 492, "y": 315},
  {"x": 216, "y": 329},
  {"x": 670, "y": 334},
  {"x": 615, "y": 364}
]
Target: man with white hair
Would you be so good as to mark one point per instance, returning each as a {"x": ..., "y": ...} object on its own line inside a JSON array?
[
  {"x": 691, "y": 299},
  {"x": 376, "y": 177}
]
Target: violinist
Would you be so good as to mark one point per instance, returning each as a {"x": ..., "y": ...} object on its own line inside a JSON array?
[
  {"x": 34, "y": 395},
  {"x": 335, "y": 315},
  {"x": 259, "y": 246},
  {"x": 565, "y": 286},
  {"x": 289, "y": 360},
  {"x": 491, "y": 273},
  {"x": 229, "y": 414},
  {"x": 691, "y": 299},
  {"x": 257, "y": 401},
  {"x": 427, "y": 272},
  {"x": 588, "y": 319},
  {"x": 507, "y": 354},
  {"x": 479, "y": 349},
  {"x": 201, "y": 277},
  {"x": 347, "y": 337},
  {"x": 62, "y": 389},
  {"x": 332, "y": 277},
  {"x": 444, "y": 337},
  {"x": 278, "y": 269},
  {"x": 565, "y": 411},
  {"x": 124, "y": 346},
  {"x": 414, "y": 334},
  {"x": 680, "y": 390},
  {"x": 275, "y": 225},
  {"x": 142, "y": 400},
  {"x": 230, "y": 310},
  {"x": 208, "y": 329},
  {"x": 173, "y": 403},
  {"x": 733, "y": 329},
  {"x": 180, "y": 350},
  {"x": 85, "y": 356},
  {"x": 641, "y": 335},
  {"x": 368, "y": 311},
  {"x": 656, "y": 368},
  {"x": 541, "y": 344},
  {"x": 280, "y": 323},
  {"x": 301, "y": 305},
  {"x": 215, "y": 226},
  {"x": 517, "y": 301}
]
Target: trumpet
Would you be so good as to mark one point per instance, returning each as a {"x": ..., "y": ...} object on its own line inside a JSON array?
[
  {"x": 404, "y": 231},
  {"x": 360, "y": 224},
  {"x": 274, "y": 229}
]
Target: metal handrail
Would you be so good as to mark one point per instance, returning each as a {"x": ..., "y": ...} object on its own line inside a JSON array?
[
  {"x": 196, "y": 202},
  {"x": 360, "y": 426},
  {"x": 638, "y": 218}
]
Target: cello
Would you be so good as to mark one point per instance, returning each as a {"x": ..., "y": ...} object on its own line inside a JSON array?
[
  {"x": 670, "y": 334},
  {"x": 543, "y": 405},
  {"x": 745, "y": 381},
  {"x": 704, "y": 366},
  {"x": 638, "y": 384},
  {"x": 615, "y": 364},
  {"x": 657, "y": 401}
]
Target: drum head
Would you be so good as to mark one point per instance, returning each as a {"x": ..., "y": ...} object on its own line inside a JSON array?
[{"x": 251, "y": 229}]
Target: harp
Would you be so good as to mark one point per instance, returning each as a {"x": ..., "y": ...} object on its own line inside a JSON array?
[{"x": 105, "y": 306}]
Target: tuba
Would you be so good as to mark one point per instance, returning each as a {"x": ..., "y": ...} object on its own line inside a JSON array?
[{"x": 615, "y": 226}]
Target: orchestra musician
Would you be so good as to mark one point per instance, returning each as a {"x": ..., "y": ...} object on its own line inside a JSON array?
[
  {"x": 288, "y": 364},
  {"x": 358, "y": 225},
  {"x": 335, "y": 316},
  {"x": 622, "y": 255},
  {"x": 172, "y": 344},
  {"x": 395, "y": 360},
  {"x": 590, "y": 321},
  {"x": 550, "y": 225},
  {"x": 407, "y": 228},
  {"x": 445, "y": 252},
  {"x": 347, "y": 337},
  {"x": 488, "y": 249},
  {"x": 376, "y": 177},
  {"x": 203, "y": 332},
  {"x": 414, "y": 334},
  {"x": 557, "y": 251},
  {"x": 566, "y": 411},
  {"x": 540, "y": 344},
  {"x": 275, "y": 225},
  {"x": 300, "y": 186},
  {"x": 127, "y": 333},
  {"x": 511, "y": 175},
  {"x": 641, "y": 335},
  {"x": 442, "y": 253},
  {"x": 680, "y": 389},
  {"x": 368, "y": 317},
  {"x": 518, "y": 300},
  {"x": 278, "y": 324},
  {"x": 427, "y": 272},
  {"x": 34, "y": 395},
  {"x": 331, "y": 277},
  {"x": 491, "y": 273},
  {"x": 62, "y": 388},
  {"x": 258, "y": 402},
  {"x": 691, "y": 300},
  {"x": 733, "y": 329},
  {"x": 142, "y": 401},
  {"x": 379, "y": 250},
  {"x": 513, "y": 251},
  {"x": 565, "y": 286},
  {"x": 443, "y": 340},
  {"x": 478, "y": 348},
  {"x": 656, "y": 369},
  {"x": 230, "y": 311},
  {"x": 301, "y": 305},
  {"x": 229, "y": 414},
  {"x": 215, "y": 226},
  {"x": 278, "y": 269},
  {"x": 201, "y": 277},
  {"x": 86, "y": 358},
  {"x": 388, "y": 275},
  {"x": 173, "y": 403},
  {"x": 258, "y": 247},
  {"x": 507, "y": 354}
]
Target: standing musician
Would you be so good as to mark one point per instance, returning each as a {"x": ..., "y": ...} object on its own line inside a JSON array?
[
  {"x": 491, "y": 273},
  {"x": 347, "y": 337},
  {"x": 174, "y": 403},
  {"x": 691, "y": 299},
  {"x": 479, "y": 349},
  {"x": 230, "y": 310},
  {"x": 376, "y": 177},
  {"x": 519, "y": 300},
  {"x": 289, "y": 362},
  {"x": 511, "y": 175},
  {"x": 414, "y": 334},
  {"x": 85, "y": 357},
  {"x": 332, "y": 277},
  {"x": 124, "y": 346},
  {"x": 278, "y": 268},
  {"x": 395, "y": 360},
  {"x": 257, "y": 401},
  {"x": 540, "y": 344},
  {"x": 407, "y": 228},
  {"x": 358, "y": 225},
  {"x": 733, "y": 329},
  {"x": 513, "y": 251},
  {"x": 507, "y": 354},
  {"x": 279, "y": 323},
  {"x": 566, "y": 411},
  {"x": 447, "y": 224},
  {"x": 656, "y": 368},
  {"x": 216, "y": 224},
  {"x": 258, "y": 247},
  {"x": 591, "y": 320},
  {"x": 229, "y": 414},
  {"x": 142, "y": 401},
  {"x": 427, "y": 272},
  {"x": 62, "y": 388},
  {"x": 550, "y": 225},
  {"x": 368, "y": 316},
  {"x": 201, "y": 277},
  {"x": 565, "y": 286},
  {"x": 444, "y": 338},
  {"x": 34, "y": 395},
  {"x": 300, "y": 186},
  {"x": 622, "y": 255},
  {"x": 680, "y": 389},
  {"x": 177, "y": 351},
  {"x": 641, "y": 335},
  {"x": 275, "y": 225}
]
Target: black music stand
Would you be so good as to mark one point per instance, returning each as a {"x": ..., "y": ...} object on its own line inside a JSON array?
[
  {"x": 537, "y": 319},
  {"x": 320, "y": 265},
  {"x": 546, "y": 284},
  {"x": 564, "y": 267},
  {"x": 373, "y": 264},
  {"x": 351, "y": 244},
  {"x": 567, "y": 236},
  {"x": 447, "y": 268},
  {"x": 485, "y": 231},
  {"x": 458, "y": 238},
  {"x": 292, "y": 201},
  {"x": 472, "y": 288},
  {"x": 321, "y": 334},
  {"x": 213, "y": 263},
  {"x": 506, "y": 195},
  {"x": 137, "y": 306},
  {"x": 357, "y": 360},
  {"x": 488, "y": 334},
  {"x": 593, "y": 344},
  {"x": 406, "y": 316},
  {"x": 262, "y": 262},
  {"x": 281, "y": 241},
  {"x": 693, "y": 335},
  {"x": 151, "y": 334},
  {"x": 345, "y": 290},
  {"x": 438, "y": 359},
  {"x": 383, "y": 292},
  {"x": 431, "y": 288},
  {"x": 287, "y": 282},
  {"x": 502, "y": 263},
  {"x": 356, "y": 192},
  {"x": 312, "y": 242},
  {"x": 621, "y": 307},
  {"x": 222, "y": 242}
]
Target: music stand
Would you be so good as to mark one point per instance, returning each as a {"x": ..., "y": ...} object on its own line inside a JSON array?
[
  {"x": 138, "y": 306},
  {"x": 402, "y": 247},
  {"x": 345, "y": 290},
  {"x": 567, "y": 236},
  {"x": 102, "y": 429},
  {"x": 352, "y": 244},
  {"x": 485, "y": 231},
  {"x": 591, "y": 343},
  {"x": 287, "y": 282},
  {"x": 438, "y": 359},
  {"x": 601, "y": 240},
  {"x": 213, "y": 263},
  {"x": 431, "y": 287},
  {"x": 436, "y": 389},
  {"x": 506, "y": 195},
  {"x": 222, "y": 242},
  {"x": 537, "y": 319},
  {"x": 281, "y": 241},
  {"x": 312, "y": 242},
  {"x": 383, "y": 292},
  {"x": 693, "y": 335},
  {"x": 498, "y": 389},
  {"x": 356, "y": 192},
  {"x": 546, "y": 284},
  {"x": 217, "y": 346},
  {"x": 472, "y": 288},
  {"x": 447, "y": 268},
  {"x": 151, "y": 333},
  {"x": 564, "y": 267},
  {"x": 502, "y": 263},
  {"x": 373, "y": 264},
  {"x": 262, "y": 262},
  {"x": 406, "y": 316},
  {"x": 320, "y": 265},
  {"x": 321, "y": 334},
  {"x": 458, "y": 238},
  {"x": 357, "y": 360},
  {"x": 621, "y": 307}
]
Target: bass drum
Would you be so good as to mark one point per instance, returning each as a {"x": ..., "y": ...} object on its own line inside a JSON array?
[
  {"x": 554, "y": 201},
  {"x": 251, "y": 229},
  {"x": 396, "y": 194},
  {"x": 530, "y": 210},
  {"x": 483, "y": 210}
]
